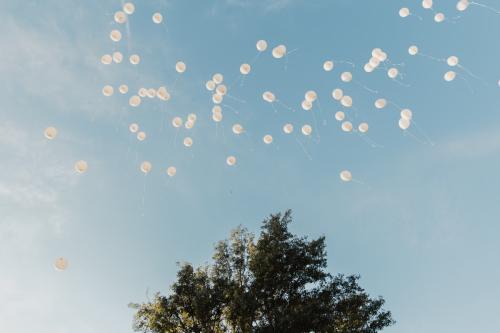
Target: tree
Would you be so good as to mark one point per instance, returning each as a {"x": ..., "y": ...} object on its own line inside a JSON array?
[{"x": 278, "y": 283}]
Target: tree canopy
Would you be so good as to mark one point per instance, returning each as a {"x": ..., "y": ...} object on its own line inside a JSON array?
[{"x": 277, "y": 283}]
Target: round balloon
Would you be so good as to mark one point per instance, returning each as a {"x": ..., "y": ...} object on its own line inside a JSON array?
[
  {"x": 346, "y": 101},
  {"x": 135, "y": 59},
  {"x": 106, "y": 59},
  {"x": 245, "y": 69},
  {"x": 237, "y": 129},
  {"x": 439, "y": 17},
  {"x": 129, "y": 8},
  {"x": 279, "y": 51},
  {"x": 61, "y": 264},
  {"x": 311, "y": 96},
  {"x": 141, "y": 136},
  {"x": 307, "y": 130},
  {"x": 328, "y": 66},
  {"x": 180, "y": 67},
  {"x": 347, "y": 126},
  {"x": 261, "y": 45},
  {"x": 120, "y": 17},
  {"x": 231, "y": 160},
  {"x": 288, "y": 128},
  {"x": 123, "y": 89},
  {"x": 406, "y": 114},
  {"x": 210, "y": 85},
  {"x": 380, "y": 103},
  {"x": 133, "y": 127},
  {"x": 404, "y": 12},
  {"x": 218, "y": 78},
  {"x": 268, "y": 97},
  {"x": 306, "y": 105},
  {"x": 171, "y": 171},
  {"x": 50, "y": 133},
  {"x": 188, "y": 142},
  {"x": 117, "y": 57},
  {"x": 268, "y": 139},
  {"x": 115, "y": 35},
  {"x": 450, "y": 76},
  {"x": 413, "y": 50},
  {"x": 157, "y": 18},
  {"x": 81, "y": 166},
  {"x": 146, "y": 167},
  {"x": 346, "y": 176},
  {"x": 339, "y": 115},
  {"x": 452, "y": 61},
  {"x": 363, "y": 127},
  {"x": 337, "y": 94},
  {"x": 404, "y": 124},
  {"x": 177, "y": 122},
  {"x": 134, "y": 101},
  {"x": 392, "y": 73},
  {"x": 346, "y": 76}
]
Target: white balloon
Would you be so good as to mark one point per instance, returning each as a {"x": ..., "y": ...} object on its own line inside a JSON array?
[
  {"x": 123, "y": 89},
  {"x": 337, "y": 94},
  {"x": 157, "y": 18},
  {"x": 61, "y": 264},
  {"x": 382, "y": 56},
  {"x": 311, "y": 96},
  {"x": 135, "y": 59},
  {"x": 307, "y": 130},
  {"x": 406, "y": 114},
  {"x": 368, "y": 68},
  {"x": 346, "y": 176},
  {"x": 189, "y": 124},
  {"x": 50, "y": 133},
  {"x": 146, "y": 167},
  {"x": 427, "y": 4},
  {"x": 115, "y": 35},
  {"x": 151, "y": 93},
  {"x": 279, "y": 51},
  {"x": 347, "y": 126},
  {"x": 217, "y": 117},
  {"x": 339, "y": 115},
  {"x": 261, "y": 45},
  {"x": 413, "y": 50},
  {"x": 404, "y": 12},
  {"x": 141, "y": 136},
  {"x": 288, "y": 128},
  {"x": 376, "y": 51},
  {"x": 171, "y": 171},
  {"x": 81, "y": 166},
  {"x": 107, "y": 90},
  {"x": 237, "y": 129},
  {"x": 462, "y": 5},
  {"x": 392, "y": 73},
  {"x": 439, "y": 17},
  {"x": 180, "y": 67},
  {"x": 346, "y": 76},
  {"x": 452, "y": 61},
  {"x": 216, "y": 109},
  {"x": 129, "y": 8},
  {"x": 346, "y": 101},
  {"x": 218, "y": 78},
  {"x": 117, "y": 57},
  {"x": 231, "y": 160},
  {"x": 268, "y": 97},
  {"x": 380, "y": 103},
  {"x": 306, "y": 105},
  {"x": 163, "y": 94},
  {"x": 143, "y": 92},
  {"x": 404, "y": 124},
  {"x": 133, "y": 128},
  {"x": 188, "y": 142},
  {"x": 363, "y": 127},
  {"x": 221, "y": 90},
  {"x": 374, "y": 62},
  {"x": 245, "y": 69},
  {"x": 210, "y": 85},
  {"x": 328, "y": 66},
  {"x": 450, "y": 76},
  {"x": 217, "y": 99},
  {"x": 120, "y": 17},
  {"x": 177, "y": 122},
  {"x": 134, "y": 101},
  {"x": 268, "y": 139},
  {"x": 106, "y": 59},
  {"x": 192, "y": 117}
]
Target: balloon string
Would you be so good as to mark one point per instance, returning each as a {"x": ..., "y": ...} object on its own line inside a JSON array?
[
  {"x": 231, "y": 108},
  {"x": 373, "y": 91},
  {"x": 496, "y": 11},
  {"x": 236, "y": 99},
  {"x": 397, "y": 106},
  {"x": 304, "y": 149},
  {"x": 466, "y": 70},
  {"x": 467, "y": 83},
  {"x": 427, "y": 138},
  {"x": 407, "y": 132},
  {"x": 401, "y": 83},
  {"x": 352, "y": 64},
  {"x": 285, "y": 105},
  {"x": 316, "y": 126},
  {"x": 431, "y": 57},
  {"x": 369, "y": 141},
  {"x": 144, "y": 195},
  {"x": 274, "y": 108}
]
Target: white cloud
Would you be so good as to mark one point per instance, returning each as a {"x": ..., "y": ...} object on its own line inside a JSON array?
[{"x": 474, "y": 145}]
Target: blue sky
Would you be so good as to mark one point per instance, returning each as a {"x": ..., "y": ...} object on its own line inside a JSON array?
[{"x": 421, "y": 229}]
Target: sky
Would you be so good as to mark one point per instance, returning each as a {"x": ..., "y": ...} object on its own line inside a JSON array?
[{"x": 419, "y": 223}]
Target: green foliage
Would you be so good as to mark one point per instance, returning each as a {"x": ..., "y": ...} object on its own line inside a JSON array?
[{"x": 278, "y": 283}]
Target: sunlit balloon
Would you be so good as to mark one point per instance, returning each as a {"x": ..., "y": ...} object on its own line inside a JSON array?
[
  {"x": 216, "y": 109},
  {"x": 210, "y": 85},
  {"x": 218, "y": 78},
  {"x": 217, "y": 98},
  {"x": 374, "y": 62},
  {"x": 404, "y": 12},
  {"x": 171, "y": 171},
  {"x": 192, "y": 117},
  {"x": 231, "y": 160},
  {"x": 328, "y": 66},
  {"x": 188, "y": 142},
  {"x": 347, "y": 126},
  {"x": 177, "y": 122},
  {"x": 157, "y": 18},
  {"x": 363, "y": 127},
  {"x": 337, "y": 94},
  {"x": 346, "y": 77},
  {"x": 135, "y": 59},
  {"x": 376, "y": 51},
  {"x": 380, "y": 103},
  {"x": 129, "y": 8},
  {"x": 120, "y": 17},
  {"x": 406, "y": 114},
  {"x": 143, "y": 92},
  {"x": 163, "y": 94},
  {"x": 189, "y": 124},
  {"x": 106, "y": 59},
  {"x": 288, "y": 128},
  {"x": 107, "y": 90},
  {"x": 237, "y": 129},
  {"x": 133, "y": 128},
  {"x": 261, "y": 45},
  {"x": 50, "y": 133},
  {"x": 462, "y": 5},
  {"x": 307, "y": 130},
  {"x": 380, "y": 55},
  {"x": 217, "y": 117},
  {"x": 439, "y": 17},
  {"x": 311, "y": 96},
  {"x": 134, "y": 101},
  {"x": 368, "y": 68},
  {"x": 221, "y": 90},
  {"x": 151, "y": 93},
  {"x": 61, "y": 264},
  {"x": 141, "y": 136},
  {"x": 115, "y": 35},
  {"x": 413, "y": 50},
  {"x": 339, "y": 115},
  {"x": 81, "y": 166},
  {"x": 117, "y": 57},
  {"x": 146, "y": 167},
  {"x": 279, "y": 51},
  {"x": 180, "y": 67},
  {"x": 346, "y": 176},
  {"x": 346, "y": 101},
  {"x": 306, "y": 105},
  {"x": 245, "y": 69},
  {"x": 393, "y": 72},
  {"x": 268, "y": 97},
  {"x": 452, "y": 61},
  {"x": 123, "y": 89},
  {"x": 268, "y": 139},
  {"x": 450, "y": 76},
  {"x": 427, "y": 4},
  {"x": 404, "y": 124}
]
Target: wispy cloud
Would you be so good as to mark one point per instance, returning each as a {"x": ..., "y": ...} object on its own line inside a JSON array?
[{"x": 474, "y": 145}]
